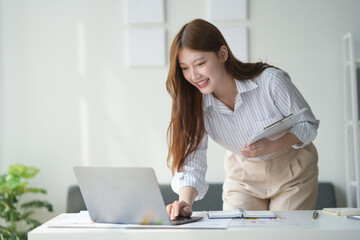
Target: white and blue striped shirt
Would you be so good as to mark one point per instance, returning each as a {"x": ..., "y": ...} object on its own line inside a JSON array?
[{"x": 259, "y": 102}]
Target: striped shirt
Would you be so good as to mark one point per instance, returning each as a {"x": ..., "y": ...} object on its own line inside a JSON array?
[{"x": 259, "y": 102}]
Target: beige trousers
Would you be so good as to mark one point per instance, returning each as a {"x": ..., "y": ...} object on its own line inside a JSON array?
[{"x": 288, "y": 180}]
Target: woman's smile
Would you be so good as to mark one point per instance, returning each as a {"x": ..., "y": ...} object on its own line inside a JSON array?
[{"x": 203, "y": 83}]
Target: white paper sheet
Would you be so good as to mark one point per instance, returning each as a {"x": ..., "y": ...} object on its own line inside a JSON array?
[
  {"x": 145, "y": 11},
  {"x": 271, "y": 222},
  {"x": 237, "y": 39},
  {"x": 228, "y": 9},
  {"x": 82, "y": 220},
  {"x": 146, "y": 47},
  {"x": 277, "y": 130}
]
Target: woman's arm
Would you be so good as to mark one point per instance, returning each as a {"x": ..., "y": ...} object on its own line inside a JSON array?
[
  {"x": 183, "y": 207},
  {"x": 265, "y": 146},
  {"x": 288, "y": 99}
]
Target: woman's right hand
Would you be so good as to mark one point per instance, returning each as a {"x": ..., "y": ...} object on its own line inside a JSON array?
[{"x": 178, "y": 208}]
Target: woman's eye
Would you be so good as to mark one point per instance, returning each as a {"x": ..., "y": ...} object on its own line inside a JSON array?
[
  {"x": 200, "y": 64},
  {"x": 184, "y": 68}
]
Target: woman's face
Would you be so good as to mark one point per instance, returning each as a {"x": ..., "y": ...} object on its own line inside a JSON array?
[{"x": 204, "y": 70}]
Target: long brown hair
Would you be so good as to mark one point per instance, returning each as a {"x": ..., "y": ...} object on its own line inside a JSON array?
[{"x": 186, "y": 127}]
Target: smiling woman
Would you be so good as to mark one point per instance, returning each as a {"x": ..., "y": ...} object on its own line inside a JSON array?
[
  {"x": 198, "y": 67},
  {"x": 214, "y": 94},
  {"x": 195, "y": 44}
]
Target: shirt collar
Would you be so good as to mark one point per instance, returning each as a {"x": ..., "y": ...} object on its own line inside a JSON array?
[{"x": 241, "y": 86}]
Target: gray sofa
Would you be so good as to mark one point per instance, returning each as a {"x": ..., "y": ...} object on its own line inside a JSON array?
[{"x": 212, "y": 200}]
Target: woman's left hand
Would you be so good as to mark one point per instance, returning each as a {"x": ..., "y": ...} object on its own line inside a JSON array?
[
  {"x": 265, "y": 146},
  {"x": 260, "y": 148}
]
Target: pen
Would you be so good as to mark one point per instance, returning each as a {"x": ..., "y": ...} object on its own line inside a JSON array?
[
  {"x": 278, "y": 122},
  {"x": 315, "y": 215}
]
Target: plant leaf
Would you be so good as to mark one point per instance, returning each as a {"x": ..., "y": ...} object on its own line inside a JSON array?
[
  {"x": 13, "y": 181},
  {"x": 36, "y": 190},
  {"x": 5, "y": 233},
  {"x": 26, "y": 215},
  {"x": 2, "y": 179},
  {"x": 23, "y": 171},
  {"x": 18, "y": 236},
  {"x": 38, "y": 204},
  {"x": 4, "y": 185},
  {"x": 32, "y": 222},
  {"x": 4, "y": 206}
]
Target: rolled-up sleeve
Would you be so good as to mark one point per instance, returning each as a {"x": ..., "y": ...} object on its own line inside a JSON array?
[
  {"x": 288, "y": 99},
  {"x": 195, "y": 167}
]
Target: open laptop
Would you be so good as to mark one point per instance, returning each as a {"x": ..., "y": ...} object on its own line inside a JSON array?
[{"x": 124, "y": 195}]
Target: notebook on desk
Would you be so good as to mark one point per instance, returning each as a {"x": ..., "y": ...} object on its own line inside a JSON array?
[
  {"x": 124, "y": 195},
  {"x": 240, "y": 213}
]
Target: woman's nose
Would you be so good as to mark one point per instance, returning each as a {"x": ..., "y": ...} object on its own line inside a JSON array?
[{"x": 194, "y": 74}]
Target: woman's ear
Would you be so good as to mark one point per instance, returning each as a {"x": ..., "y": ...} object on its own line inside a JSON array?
[{"x": 223, "y": 53}]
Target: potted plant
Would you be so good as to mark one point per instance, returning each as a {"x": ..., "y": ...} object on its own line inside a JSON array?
[{"x": 16, "y": 215}]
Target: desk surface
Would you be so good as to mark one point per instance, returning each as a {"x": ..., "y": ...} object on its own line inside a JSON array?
[{"x": 289, "y": 225}]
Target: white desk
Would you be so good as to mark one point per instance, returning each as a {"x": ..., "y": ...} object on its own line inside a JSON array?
[{"x": 291, "y": 225}]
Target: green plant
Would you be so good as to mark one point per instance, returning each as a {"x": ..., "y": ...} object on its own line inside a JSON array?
[{"x": 16, "y": 215}]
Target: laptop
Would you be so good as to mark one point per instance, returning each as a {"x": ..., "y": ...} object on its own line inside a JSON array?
[{"x": 124, "y": 196}]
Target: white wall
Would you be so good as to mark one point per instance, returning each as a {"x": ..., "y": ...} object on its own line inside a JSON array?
[
  {"x": 1, "y": 85},
  {"x": 68, "y": 99}
]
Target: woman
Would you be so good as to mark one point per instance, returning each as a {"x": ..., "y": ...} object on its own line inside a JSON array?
[{"x": 216, "y": 95}]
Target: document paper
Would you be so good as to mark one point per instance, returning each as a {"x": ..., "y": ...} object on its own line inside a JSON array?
[
  {"x": 278, "y": 128},
  {"x": 82, "y": 220}
]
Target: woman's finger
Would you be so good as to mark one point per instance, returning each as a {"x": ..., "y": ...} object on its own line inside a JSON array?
[
  {"x": 174, "y": 210},
  {"x": 179, "y": 209},
  {"x": 168, "y": 209}
]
